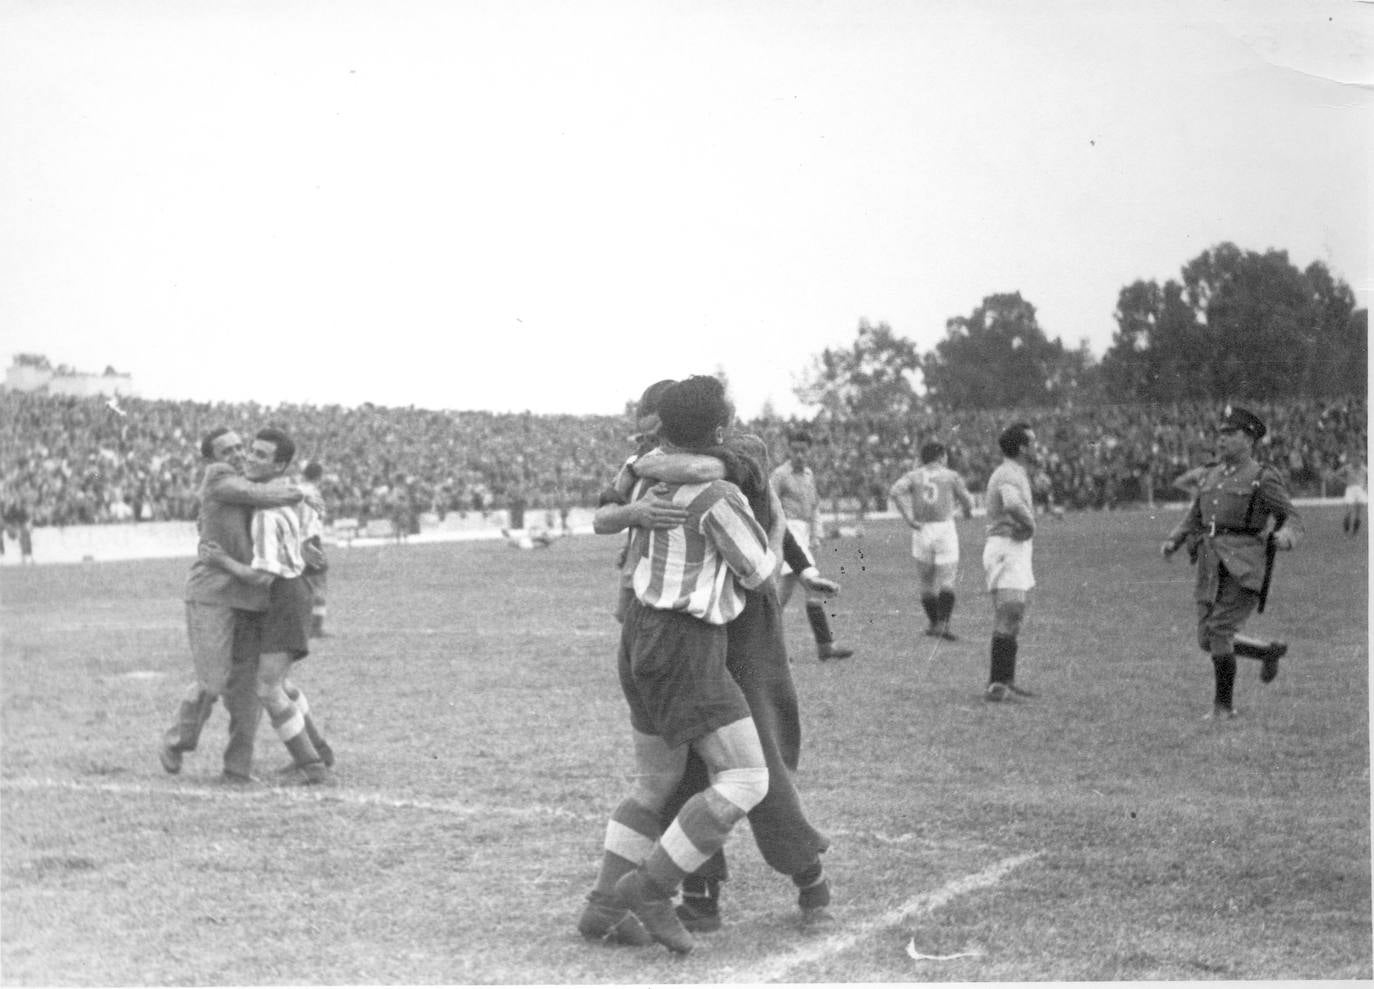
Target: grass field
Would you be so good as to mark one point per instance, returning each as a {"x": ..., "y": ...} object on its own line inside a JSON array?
[{"x": 1102, "y": 831}]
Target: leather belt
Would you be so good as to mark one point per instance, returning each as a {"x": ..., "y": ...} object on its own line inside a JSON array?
[{"x": 1231, "y": 530}]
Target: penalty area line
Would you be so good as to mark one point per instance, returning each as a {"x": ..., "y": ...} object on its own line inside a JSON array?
[{"x": 774, "y": 969}]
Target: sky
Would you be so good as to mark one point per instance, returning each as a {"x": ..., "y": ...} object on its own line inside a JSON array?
[{"x": 543, "y": 205}]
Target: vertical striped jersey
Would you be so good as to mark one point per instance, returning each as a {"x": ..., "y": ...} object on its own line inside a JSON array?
[
  {"x": 699, "y": 566},
  {"x": 933, "y": 490},
  {"x": 277, "y": 537}
]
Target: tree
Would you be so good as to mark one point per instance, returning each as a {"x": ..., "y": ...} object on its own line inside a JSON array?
[
  {"x": 998, "y": 356},
  {"x": 1239, "y": 324},
  {"x": 1158, "y": 348},
  {"x": 873, "y": 377}
]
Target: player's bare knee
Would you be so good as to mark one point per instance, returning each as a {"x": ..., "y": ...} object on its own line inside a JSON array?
[
  {"x": 652, "y": 790},
  {"x": 735, "y": 792}
]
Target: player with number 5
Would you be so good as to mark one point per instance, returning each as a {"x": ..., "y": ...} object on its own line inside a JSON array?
[{"x": 925, "y": 496}]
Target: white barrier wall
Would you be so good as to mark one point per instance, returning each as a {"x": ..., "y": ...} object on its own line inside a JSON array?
[{"x": 169, "y": 540}]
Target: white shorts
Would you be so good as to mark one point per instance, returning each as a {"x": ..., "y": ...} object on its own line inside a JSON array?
[
  {"x": 936, "y": 543},
  {"x": 1007, "y": 564},
  {"x": 1356, "y": 495},
  {"x": 801, "y": 532}
]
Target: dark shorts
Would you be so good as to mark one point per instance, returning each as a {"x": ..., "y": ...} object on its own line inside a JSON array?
[
  {"x": 248, "y": 636},
  {"x": 319, "y": 585},
  {"x": 672, "y": 671},
  {"x": 1218, "y": 621},
  {"x": 286, "y": 622}
]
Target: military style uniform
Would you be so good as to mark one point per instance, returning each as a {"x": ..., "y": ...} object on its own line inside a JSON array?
[
  {"x": 1228, "y": 529},
  {"x": 1229, "y": 523}
]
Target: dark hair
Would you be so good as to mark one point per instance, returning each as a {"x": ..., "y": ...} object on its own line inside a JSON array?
[
  {"x": 932, "y": 452},
  {"x": 207, "y": 445},
  {"x": 648, "y": 402},
  {"x": 313, "y": 471},
  {"x": 285, "y": 446},
  {"x": 691, "y": 410},
  {"x": 1013, "y": 438}
]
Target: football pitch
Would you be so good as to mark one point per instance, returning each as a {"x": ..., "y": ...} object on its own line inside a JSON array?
[{"x": 1100, "y": 831}]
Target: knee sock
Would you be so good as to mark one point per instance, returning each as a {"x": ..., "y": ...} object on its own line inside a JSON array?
[
  {"x": 290, "y": 728},
  {"x": 932, "y": 606},
  {"x": 703, "y": 824},
  {"x": 1003, "y": 665},
  {"x": 1225, "y": 669},
  {"x": 630, "y": 836},
  {"x": 312, "y": 732},
  {"x": 820, "y": 624},
  {"x": 944, "y": 606}
]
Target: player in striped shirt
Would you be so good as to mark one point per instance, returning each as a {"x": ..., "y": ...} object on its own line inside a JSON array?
[
  {"x": 282, "y": 540},
  {"x": 687, "y": 582},
  {"x": 756, "y": 656},
  {"x": 925, "y": 496}
]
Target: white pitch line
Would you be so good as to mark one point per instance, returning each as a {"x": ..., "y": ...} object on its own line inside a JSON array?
[
  {"x": 215, "y": 791},
  {"x": 774, "y": 969}
]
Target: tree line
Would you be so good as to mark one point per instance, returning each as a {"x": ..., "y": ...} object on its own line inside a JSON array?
[{"x": 1236, "y": 325}]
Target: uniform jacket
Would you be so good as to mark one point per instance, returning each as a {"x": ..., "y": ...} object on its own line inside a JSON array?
[
  {"x": 1230, "y": 520},
  {"x": 227, "y": 501}
]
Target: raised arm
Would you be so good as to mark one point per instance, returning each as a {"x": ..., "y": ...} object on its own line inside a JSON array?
[
  {"x": 679, "y": 468},
  {"x": 740, "y": 540},
  {"x": 231, "y": 488},
  {"x": 900, "y": 495},
  {"x": 652, "y": 511}
]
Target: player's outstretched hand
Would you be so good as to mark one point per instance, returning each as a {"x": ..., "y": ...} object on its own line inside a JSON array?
[
  {"x": 210, "y": 551},
  {"x": 1168, "y": 548},
  {"x": 820, "y": 585}
]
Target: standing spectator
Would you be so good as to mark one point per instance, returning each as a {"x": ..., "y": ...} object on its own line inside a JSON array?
[
  {"x": 24, "y": 522},
  {"x": 1356, "y": 477}
]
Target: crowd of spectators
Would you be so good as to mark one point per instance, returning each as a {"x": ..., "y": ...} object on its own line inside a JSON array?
[{"x": 72, "y": 461}]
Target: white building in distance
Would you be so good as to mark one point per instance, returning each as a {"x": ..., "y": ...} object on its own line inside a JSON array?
[{"x": 32, "y": 372}]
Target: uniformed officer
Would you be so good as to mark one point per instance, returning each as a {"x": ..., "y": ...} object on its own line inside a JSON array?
[{"x": 1241, "y": 510}]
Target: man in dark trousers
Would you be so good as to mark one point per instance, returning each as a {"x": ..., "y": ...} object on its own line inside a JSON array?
[{"x": 1241, "y": 516}]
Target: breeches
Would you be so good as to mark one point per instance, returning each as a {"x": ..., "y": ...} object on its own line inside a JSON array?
[{"x": 1219, "y": 620}]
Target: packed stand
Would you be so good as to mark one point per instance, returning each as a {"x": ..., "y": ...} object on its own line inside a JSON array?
[{"x": 70, "y": 461}]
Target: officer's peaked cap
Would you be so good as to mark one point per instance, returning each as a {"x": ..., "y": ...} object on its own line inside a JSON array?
[{"x": 1234, "y": 417}]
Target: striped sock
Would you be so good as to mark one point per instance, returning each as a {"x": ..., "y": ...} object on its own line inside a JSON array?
[{"x": 630, "y": 836}]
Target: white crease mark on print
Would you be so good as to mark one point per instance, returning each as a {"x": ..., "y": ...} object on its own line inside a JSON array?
[{"x": 775, "y": 969}]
